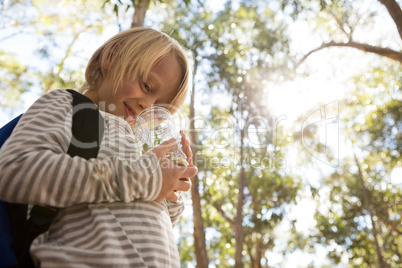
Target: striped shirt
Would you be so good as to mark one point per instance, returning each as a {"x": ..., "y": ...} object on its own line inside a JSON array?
[{"x": 107, "y": 216}]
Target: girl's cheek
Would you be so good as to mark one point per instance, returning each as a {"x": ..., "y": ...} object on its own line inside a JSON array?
[{"x": 133, "y": 89}]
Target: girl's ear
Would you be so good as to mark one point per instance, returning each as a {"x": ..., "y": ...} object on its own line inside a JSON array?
[{"x": 108, "y": 54}]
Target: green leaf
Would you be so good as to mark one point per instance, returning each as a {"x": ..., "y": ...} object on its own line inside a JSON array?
[
  {"x": 157, "y": 140},
  {"x": 145, "y": 148}
]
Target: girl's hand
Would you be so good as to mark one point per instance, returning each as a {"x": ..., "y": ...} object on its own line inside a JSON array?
[{"x": 175, "y": 178}]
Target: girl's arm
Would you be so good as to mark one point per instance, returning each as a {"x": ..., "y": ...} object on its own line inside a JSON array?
[{"x": 35, "y": 169}]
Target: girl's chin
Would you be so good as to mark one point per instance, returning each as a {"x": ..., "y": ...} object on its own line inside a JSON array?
[{"x": 131, "y": 120}]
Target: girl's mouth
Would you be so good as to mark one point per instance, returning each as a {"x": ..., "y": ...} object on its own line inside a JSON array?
[{"x": 131, "y": 116}]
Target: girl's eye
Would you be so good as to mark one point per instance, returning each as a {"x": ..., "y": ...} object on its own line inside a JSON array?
[{"x": 147, "y": 87}]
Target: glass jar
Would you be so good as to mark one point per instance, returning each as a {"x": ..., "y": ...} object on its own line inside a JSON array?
[{"x": 155, "y": 125}]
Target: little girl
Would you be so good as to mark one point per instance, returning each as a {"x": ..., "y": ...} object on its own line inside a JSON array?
[{"x": 117, "y": 210}]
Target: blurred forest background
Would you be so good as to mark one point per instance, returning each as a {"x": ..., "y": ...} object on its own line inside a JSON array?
[{"x": 295, "y": 118}]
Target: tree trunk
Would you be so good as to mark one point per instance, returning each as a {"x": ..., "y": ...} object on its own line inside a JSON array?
[
  {"x": 367, "y": 202},
  {"x": 395, "y": 12},
  {"x": 238, "y": 225},
  {"x": 139, "y": 13},
  {"x": 258, "y": 254},
  {"x": 199, "y": 234}
]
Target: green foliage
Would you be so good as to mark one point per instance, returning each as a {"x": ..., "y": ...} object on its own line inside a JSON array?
[
  {"x": 269, "y": 190},
  {"x": 185, "y": 241},
  {"x": 54, "y": 27},
  {"x": 347, "y": 221},
  {"x": 378, "y": 105},
  {"x": 245, "y": 41},
  {"x": 15, "y": 80},
  {"x": 238, "y": 46}
]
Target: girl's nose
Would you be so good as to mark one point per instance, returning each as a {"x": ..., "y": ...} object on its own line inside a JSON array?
[{"x": 147, "y": 102}]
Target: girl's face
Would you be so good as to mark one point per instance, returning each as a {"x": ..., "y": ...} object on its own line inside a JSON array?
[{"x": 161, "y": 87}]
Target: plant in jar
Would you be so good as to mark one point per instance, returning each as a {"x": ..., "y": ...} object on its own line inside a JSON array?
[{"x": 155, "y": 125}]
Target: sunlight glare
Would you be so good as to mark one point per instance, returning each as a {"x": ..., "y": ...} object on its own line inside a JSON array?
[
  {"x": 396, "y": 176},
  {"x": 294, "y": 98}
]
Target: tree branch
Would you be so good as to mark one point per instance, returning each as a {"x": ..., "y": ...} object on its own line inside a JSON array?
[
  {"x": 12, "y": 35},
  {"x": 342, "y": 26},
  {"x": 218, "y": 208},
  {"x": 393, "y": 227},
  {"x": 395, "y": 12},
  {"x": 60, "y": 66},
  {"x": 368, "y": 206},
  {"x": 3, "y": 11},
  {"x": 385, "y": 52}
]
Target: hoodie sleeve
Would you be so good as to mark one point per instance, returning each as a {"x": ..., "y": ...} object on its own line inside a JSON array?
[{"x": 175, "y": 209}]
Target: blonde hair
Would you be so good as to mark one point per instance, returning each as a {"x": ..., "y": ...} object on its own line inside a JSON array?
[{"x": 131, "y": 55}]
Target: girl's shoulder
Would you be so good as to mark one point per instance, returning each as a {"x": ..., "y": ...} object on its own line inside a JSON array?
[
  {"x": 56, "y": 93},
  {"x": 54, "y": 99}
]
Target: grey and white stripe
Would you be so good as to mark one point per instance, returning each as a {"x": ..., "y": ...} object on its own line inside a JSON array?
[{"x": 107, "y": 216}]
